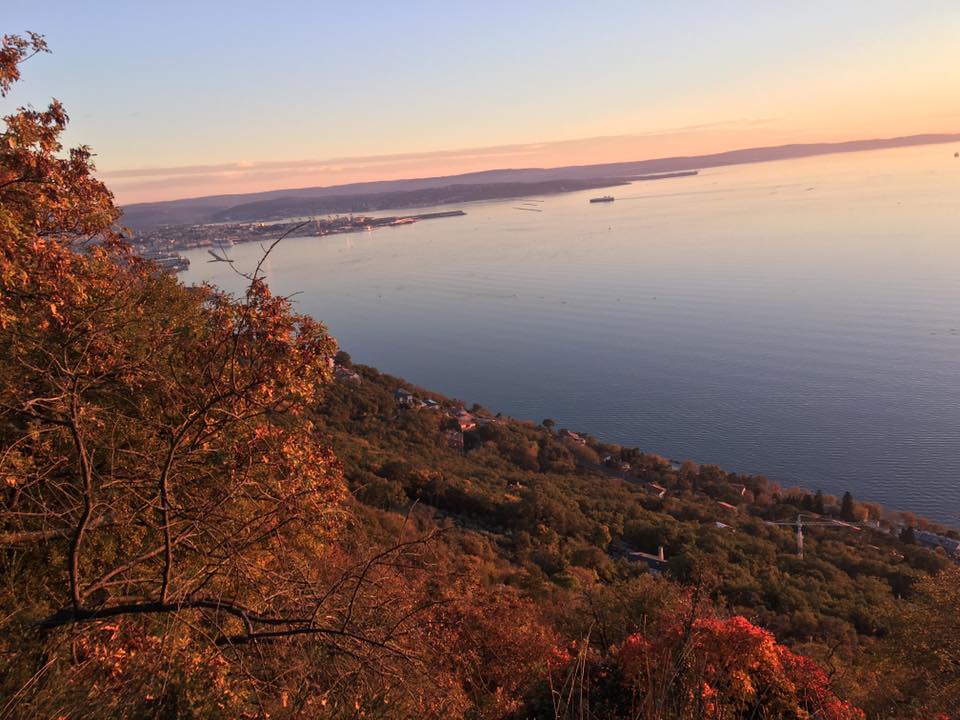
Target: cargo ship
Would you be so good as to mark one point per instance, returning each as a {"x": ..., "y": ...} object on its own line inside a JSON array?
[{"x": 604, "y": 198}]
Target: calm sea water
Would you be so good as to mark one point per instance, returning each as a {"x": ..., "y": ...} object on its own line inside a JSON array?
[{"x": 799, "y": 319}]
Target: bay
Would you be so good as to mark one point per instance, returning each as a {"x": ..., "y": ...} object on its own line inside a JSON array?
[{"x": 799, "y": 319}]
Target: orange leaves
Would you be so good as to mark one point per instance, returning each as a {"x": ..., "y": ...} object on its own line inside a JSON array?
[
  {"x": 163, "y": 428},
  {"x": 691, "y": 663},
  {"x": 14, "y": 49},
  {"x": 128, "y": 670},
  {"x": 558, "y": 658}
]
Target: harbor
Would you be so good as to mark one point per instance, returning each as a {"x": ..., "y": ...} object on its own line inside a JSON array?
[{"x": 163, "y": 245}]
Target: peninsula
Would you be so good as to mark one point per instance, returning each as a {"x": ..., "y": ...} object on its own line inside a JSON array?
[{"x": 484, "y": 185}]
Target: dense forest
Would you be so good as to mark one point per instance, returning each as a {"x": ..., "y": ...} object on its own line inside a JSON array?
[
  {"x": 575, "y": 526},
  {"x": 208, "y": 511}
]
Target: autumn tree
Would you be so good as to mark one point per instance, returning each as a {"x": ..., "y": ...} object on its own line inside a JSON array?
[
  {"x": 683, "y": 659},
  {"x": 168, "y": 513},
  {"x": 920, "y": 660},
  {"x": 818, "y": 503},
  {"x": 847, "y": 507}
]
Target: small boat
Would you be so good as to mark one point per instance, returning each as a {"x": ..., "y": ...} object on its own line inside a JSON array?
[{"x": 604, "y": 198}]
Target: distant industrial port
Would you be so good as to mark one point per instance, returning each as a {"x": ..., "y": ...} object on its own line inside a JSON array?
[{"x": 162, "y": 245}]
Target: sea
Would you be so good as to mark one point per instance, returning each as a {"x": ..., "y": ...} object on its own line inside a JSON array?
[{"x": 798, "y": 319}]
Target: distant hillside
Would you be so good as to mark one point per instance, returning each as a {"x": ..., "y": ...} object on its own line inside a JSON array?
[
  {"x": 288, "y": 206},
  {"x": 387, "y": 194}
]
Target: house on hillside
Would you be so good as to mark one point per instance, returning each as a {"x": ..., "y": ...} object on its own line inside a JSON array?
[
  {"x": 933, "y": 541},
  {"x": 727, "y": 505},
  {"x": 404, "y": 398},
  {"x": 655, "y": 489},
  {"x": 655, "y": 563},
  {"x": 576, "y": 437},
  {"x": 465, "y": 420},
  {"x": 344, "y": 374}
]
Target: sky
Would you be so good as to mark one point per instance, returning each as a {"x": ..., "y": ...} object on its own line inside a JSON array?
[{"x": 183, "y": 99}]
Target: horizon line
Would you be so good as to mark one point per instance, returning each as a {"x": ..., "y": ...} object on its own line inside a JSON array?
[{"x": 917, "y": 138}]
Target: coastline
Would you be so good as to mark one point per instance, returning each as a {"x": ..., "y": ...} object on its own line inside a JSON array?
[
  {"x": 731, "y": 494},
  {"x": 206, "y": 209},
  {"x": 680, "y": 346},
  {"x": 891, "y": 515}
]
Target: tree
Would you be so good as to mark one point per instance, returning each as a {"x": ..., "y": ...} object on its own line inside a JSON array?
[
  {"x": 14, "y": 50},
  {"x": 847, "y": 509},
  {"x": 166, "y": 501},
  {"x": 141, "y": 415},
  {"x": 688, "y": 661},
  {"x": 548, "y": 424},
  {"x": 818, "y": 505},
  {"x": 921, "y": 663},
  {"x": 908, "y": 536},
  {"x": 689, "y": 474}
]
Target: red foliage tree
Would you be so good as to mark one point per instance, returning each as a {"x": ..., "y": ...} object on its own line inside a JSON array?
[
  {"x": 724, "y": 668},
  {"x": 691, "y": 663}
]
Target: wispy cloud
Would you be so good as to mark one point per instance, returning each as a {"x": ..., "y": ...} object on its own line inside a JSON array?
[
  {"x": 154, "y": 183},
  {"x": 325, "y": 164}
]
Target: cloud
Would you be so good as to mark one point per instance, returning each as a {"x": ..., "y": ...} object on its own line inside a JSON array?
[
  {"x": 362, "y": 160},
  {"x": 244, "y": 176},
  {"x": 493, "y": 152}
]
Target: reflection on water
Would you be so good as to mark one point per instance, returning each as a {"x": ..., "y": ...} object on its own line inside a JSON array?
[{"x": 799, "y": 319}]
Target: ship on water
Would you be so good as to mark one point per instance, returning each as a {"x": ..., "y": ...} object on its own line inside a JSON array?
[{"x": 603, "y": 198}]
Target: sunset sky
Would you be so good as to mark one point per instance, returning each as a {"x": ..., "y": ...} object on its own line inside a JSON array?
[{"x": 182, "y": 99}]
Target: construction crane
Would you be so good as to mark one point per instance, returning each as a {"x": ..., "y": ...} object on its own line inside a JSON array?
[{"x": 800, "y": 523}]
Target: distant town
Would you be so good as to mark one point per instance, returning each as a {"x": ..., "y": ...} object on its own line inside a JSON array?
[
  {"x": 163, "y": 244},
  {"x": 267, "y": 220}
]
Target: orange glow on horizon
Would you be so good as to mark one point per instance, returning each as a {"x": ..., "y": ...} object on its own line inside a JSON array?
[{"x": 158, "y": 184}]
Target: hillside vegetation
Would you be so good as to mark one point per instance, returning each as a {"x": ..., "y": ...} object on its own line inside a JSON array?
[
  {"x": 207, "y": 512},
  {"x": 560, "y": 516}
]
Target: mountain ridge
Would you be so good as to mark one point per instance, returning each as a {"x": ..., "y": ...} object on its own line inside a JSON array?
[{"x": 211, "y": 208}]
